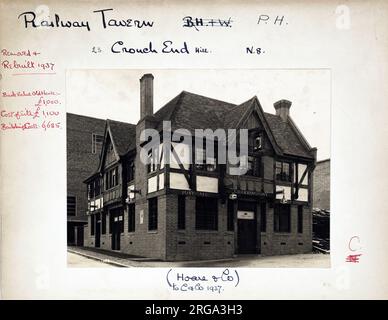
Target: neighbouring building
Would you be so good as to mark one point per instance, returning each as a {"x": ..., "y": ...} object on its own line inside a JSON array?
[
  {"x": 322, "y": 185},
  {"x": 174, "y": 210},
  {"x": 321, "y": 206},
  {"x": 84, "y": 142}
]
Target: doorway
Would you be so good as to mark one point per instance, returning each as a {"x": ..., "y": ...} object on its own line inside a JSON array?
[
  {"x": 117, "y": 227},
  {"x": 80, "y": 236},
  {"x": 247, "y": 228}
]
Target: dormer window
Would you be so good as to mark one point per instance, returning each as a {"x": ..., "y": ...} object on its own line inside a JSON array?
[
  {"x": 258, "y": 143},
  {"x": 97, "y": 140}
]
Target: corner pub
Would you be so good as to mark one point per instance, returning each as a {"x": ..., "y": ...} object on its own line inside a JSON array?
[{"x": 179, "y": 211}]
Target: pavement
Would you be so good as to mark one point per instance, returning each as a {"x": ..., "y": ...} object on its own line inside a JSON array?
[
  {"x": 77, "y": 261},
  {"x": 79, "y": 257}
]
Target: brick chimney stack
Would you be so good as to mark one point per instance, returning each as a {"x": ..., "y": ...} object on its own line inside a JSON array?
[
  {"x": 146, "y": 95},
  {"x": 282, "y": 108}
]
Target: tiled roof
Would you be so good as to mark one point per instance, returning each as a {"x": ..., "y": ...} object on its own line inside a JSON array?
[
  {"x": 123, "y": 135},
  {"x": 191, "y": 111},
  {"x": 286, "y": 137}
]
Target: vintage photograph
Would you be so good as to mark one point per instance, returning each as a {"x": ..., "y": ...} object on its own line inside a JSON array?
[{"x": 198, "y": 168}]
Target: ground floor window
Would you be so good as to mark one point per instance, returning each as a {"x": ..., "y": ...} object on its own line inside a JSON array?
[
  {"x": 263, "y": 217},
  {"x": 206, "y": 213},
  {"x": 300, "y": 219},
  {"x": 103, "y": 223},
  {"x": 181, "y": 212},
  {"x": 153, "y": 214},
  {"x": 230, "y": 217},
  {"x": 92, "y": 224},
  {"x": 131, "y": 217},
  {"x": 282, "y": 218}
]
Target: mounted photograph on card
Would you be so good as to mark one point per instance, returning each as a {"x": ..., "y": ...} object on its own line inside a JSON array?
[{"x": 198, "y": 167}]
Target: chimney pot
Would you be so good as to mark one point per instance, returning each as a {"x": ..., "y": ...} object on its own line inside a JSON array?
[
  {"x": 282, "y": 108},
  {"x": 146, "y": 95}
]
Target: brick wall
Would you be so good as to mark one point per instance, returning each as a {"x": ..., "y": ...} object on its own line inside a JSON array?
[
  {"x": 274, "y": 243},
  {"x": 321, "y": 197},
  {"x": 192, "y": 244},
  {"x": 81, "y": 162}
]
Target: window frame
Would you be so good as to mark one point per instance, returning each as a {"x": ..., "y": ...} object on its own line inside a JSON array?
[
  {"x": 300, "y": 219},
  {"x": 153, "y": 214},
  {"x": 207, "y": 164},
  {"x": 181, "y": 212},
  {"x": 95, "y": 143},
  {"x": 131, "y": 218},
  {"x": 279, "y": 214},
  {"x": 263, "y": 217},
  {"x": 92, "y": 224},
  {"x": 112, "y": 178},
  {"x": 130, "y": 171},
  {"x": 206, "y": 216},
  {"x": 282, "y": 175},
  {"x": 230, "y": 215},
  {"x": 75, "y": 206},
  {"x": 103, "y": 222}
]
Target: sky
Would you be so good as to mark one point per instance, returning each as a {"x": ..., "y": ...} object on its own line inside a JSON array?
[{"x": 115, "y": 93}]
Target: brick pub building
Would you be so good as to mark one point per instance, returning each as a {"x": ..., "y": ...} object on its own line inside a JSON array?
[{"x": 181, "y": 211}]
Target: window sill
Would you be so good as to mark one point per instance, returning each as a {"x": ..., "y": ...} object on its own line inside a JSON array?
[
  {"x": 152, "y": 231},
  {"x": 200, "y": 172},
  {"x": 206, "y": 231}
]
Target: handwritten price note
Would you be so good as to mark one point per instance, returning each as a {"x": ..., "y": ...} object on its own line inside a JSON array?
[
  {"x": 35, "y": 109},
  {"x": 214, "y": 281}
]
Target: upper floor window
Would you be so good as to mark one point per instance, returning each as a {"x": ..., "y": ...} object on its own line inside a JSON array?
[
  {"x": 97, "y": 140},
  {"x": 204, "y": 161},
  {"x": 283, "y": 171},
  {"x": 252, "y": 165},
  {"x": 111, "y": 178},
  {"x": 94, "y": 188},
  {"x": 130, "y": 171},
  {"x": 71, "y": 206},
  {"x": 255, "y": 142},
  {"x": 152, "y": 160},
  {"x": 258, "y": 143}
]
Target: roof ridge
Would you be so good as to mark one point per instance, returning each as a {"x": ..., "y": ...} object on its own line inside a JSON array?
[
  {"x": 128, "y": 123},
  {"x": 202, "y": 96},
  {"x": 81, "y": 115}
]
